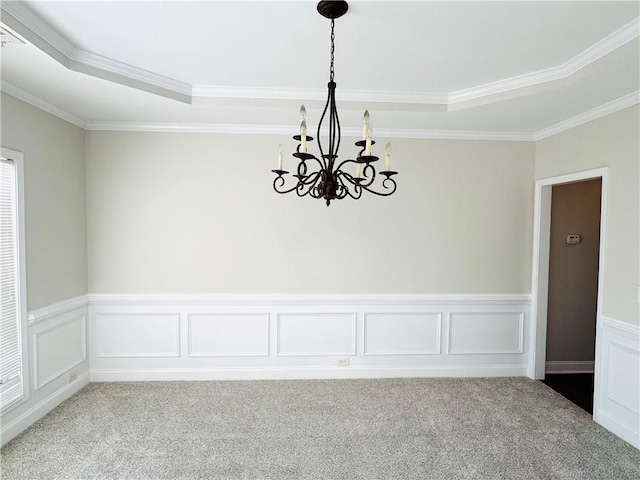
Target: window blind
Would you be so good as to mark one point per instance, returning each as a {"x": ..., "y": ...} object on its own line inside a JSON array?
[{"x": 11, "y": 378}]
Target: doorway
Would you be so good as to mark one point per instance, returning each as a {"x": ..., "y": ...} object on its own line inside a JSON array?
[
  {"x": 567, "y": 296},
  {"x": 573, "y": 290}
]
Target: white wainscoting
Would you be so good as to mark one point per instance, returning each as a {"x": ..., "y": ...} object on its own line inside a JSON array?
[
  {"x": 617, "y": 401},
  {"x": 137, "y": 334},
  {"x": 58, "y": 362},
  {"x": 57, "y": 346},
  {"x": 486, "y": 332},
  {"x": 205, "y": 337},
  {"x": 228, "y": 335},
  {"x": 316, "y": 334},
  {"x": 402, "y": 333}
]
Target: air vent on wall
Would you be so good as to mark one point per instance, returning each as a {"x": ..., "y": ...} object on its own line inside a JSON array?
[{"x": 9, "y": 38}]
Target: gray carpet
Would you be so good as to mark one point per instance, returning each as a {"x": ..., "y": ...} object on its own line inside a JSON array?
[{"x": 502, "y": 428}]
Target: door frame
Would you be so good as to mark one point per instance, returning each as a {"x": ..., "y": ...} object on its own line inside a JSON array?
[{"x": 540, "y": 265}]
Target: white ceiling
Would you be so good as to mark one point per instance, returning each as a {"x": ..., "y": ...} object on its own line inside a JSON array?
[{"x": 515, "y": 70}]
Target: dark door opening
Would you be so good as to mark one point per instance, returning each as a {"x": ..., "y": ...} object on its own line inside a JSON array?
[{"x": 573, "y": 290}]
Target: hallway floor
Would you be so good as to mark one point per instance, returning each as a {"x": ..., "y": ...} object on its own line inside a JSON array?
[{"x": 577, "y": 387}]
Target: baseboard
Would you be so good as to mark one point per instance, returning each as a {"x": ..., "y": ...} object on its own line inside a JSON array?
[
  {"x": 35, "y": 413},
  {"x": 569, "y": 367},
  {"x": 305, "y": 373},
  {"x": 617, "y": 428}
]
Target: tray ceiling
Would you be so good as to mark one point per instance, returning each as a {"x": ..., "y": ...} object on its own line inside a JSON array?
[{"x": 424, "y": 69}]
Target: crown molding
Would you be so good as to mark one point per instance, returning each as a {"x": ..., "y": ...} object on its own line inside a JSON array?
[
  {"x": 593, "y": 114},
  {"x": 287, "y": 129},
  {"x": 38, "y": 102},
  {"x": 607, "y": 45},
  {"x": 27, "y": 24},
  {"x": 590, "y": 115},
  {"x": 109, "y": 67},
  {"x": 370, "y": 96},
  {"x": 19, "y": 17}
]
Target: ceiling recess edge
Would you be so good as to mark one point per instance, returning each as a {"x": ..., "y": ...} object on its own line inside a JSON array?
[{"x": 17, "y": 16}]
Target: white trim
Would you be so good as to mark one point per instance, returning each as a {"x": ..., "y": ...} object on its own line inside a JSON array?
[
  {"x": 28, "y": 24},
  {"x": 301, "y": 373},
  {"x": 590, "y": 115},
  {"x": 37, "y": 102},
  {"x": 14, "y": 428},
  {"x": 41, "y": 329},
  {"x": 624, "y": 328},
  {"x": 345, "y": 353},
  {"x": 437, "y": 351},
  {"x": 181, "y": 90},
  {"x": 34, "y": 29},
  {"x": 585, "y": 58},
  {"x": 287, "y": 129},
  {"x": 18, "y": 159},
  {"x": 438, "y": 100},
  {"x": 540, "y": 261},
  {"x": 58, "y": 308},
  {"x": 241, "y": 300},
  {"x": 569, "y": 367},
  {"x": 519, "y": 350},
  {"x": 618, "y": 428},
  {"x": 619, "y": 415},
  {"x": 191, "y": 354},
  {"x": 175, "y": 316}
]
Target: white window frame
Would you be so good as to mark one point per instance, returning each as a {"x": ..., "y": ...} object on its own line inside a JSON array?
[{"x": 21, "y": 292}]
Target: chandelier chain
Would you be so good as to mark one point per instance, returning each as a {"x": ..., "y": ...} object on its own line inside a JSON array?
[{"x": 331, "y": 70}]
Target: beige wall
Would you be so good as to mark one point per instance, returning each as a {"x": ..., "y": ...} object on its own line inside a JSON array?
[
  {"x": 55, "y": 215},
  {"x": 611, "y": 141},
  {"x": 573, "y": 272},
  {"x": 196, "y": 213}
]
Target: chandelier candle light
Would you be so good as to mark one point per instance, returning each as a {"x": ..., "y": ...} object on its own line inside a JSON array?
[{"x": 332, "y": 180}]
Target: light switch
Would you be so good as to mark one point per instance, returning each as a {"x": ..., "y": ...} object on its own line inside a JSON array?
[{"x": 573, "y": 239}]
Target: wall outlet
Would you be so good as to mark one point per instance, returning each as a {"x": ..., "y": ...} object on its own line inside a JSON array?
[
  {"x": 342, "y": 362},
  {"x": 72, "y": 376}
]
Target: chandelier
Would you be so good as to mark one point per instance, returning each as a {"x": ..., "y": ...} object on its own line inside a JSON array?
[{"x": 330, "y": 179}]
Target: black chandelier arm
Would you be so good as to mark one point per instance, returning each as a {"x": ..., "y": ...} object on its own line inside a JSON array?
[
  {"x": 311, "y": 178},
  {"x": 391, "y": 188},
  {"x": 324, "y": 112},
  {"x": 388, "y": 183},
  {"x": 307, "y": 185},
  {"x": 354, "y": 193},
  {"x": 309, "y": 156},
  {"x": 334, "y": 129},
  {"x": 279, "y": 182}
]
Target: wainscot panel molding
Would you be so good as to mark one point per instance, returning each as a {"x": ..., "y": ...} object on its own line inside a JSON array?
[
  {"x": 617, "y": 376},
  {"x": 402, "y": 333},
  {"x": 137, "y": 334},
  {"x": 214, "y": 337},
  {"x": 228, "y": 335},
  {"x": 58, "y": 362},
  {"x": 486, "y": 332},
  {"x": 316, "y": 334},
  {"x": 58, "y": 346}
]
